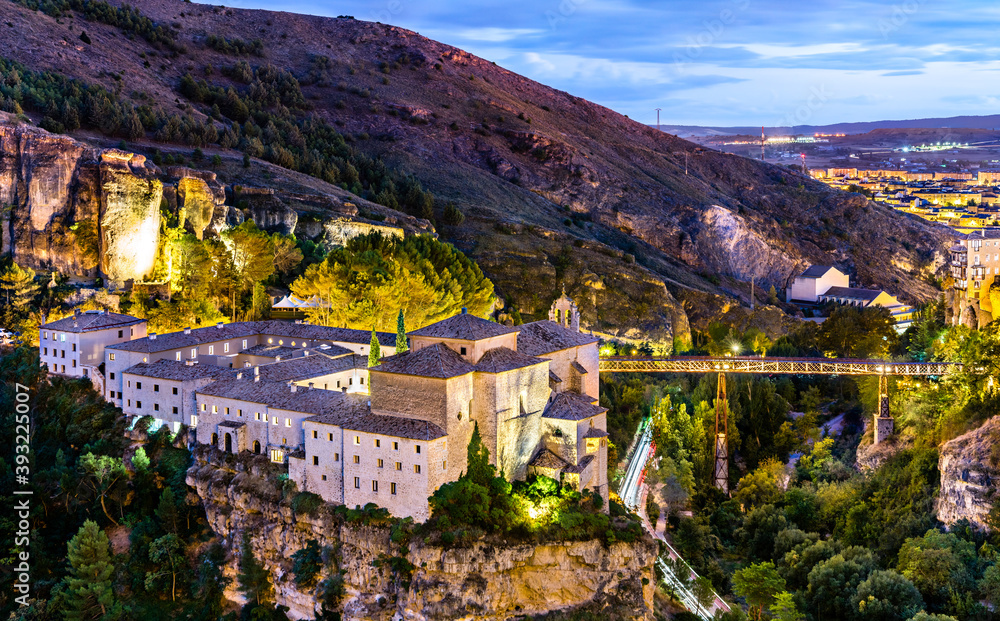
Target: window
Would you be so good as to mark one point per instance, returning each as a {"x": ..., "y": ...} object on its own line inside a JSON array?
[
  {"x": 315, "y": 460},
  {"x": 111, "y": 356},
  {"x": 375, "y": 486},
  {"x": 194, "y": 352},
  {"x": 211, "y": 350},
  {"x": 274, "y": 420},
  {"x": 315, "y": 434},
  {"x": 416, "y": 468},
  {"x": 338, "y": 383},
  {"x": 277, "y": 455},
  {"x": 175, "y": 409},
  {"x": 350, "y": 381},
  {"x": 129, "y": 403},
  {"x": 120, "y": 333},
  {"x": 288, "y": 422},
  {"x": 444, "y": 465},
  {"x": 336, "y": 457},
  {"x": 215, "y": 409},
  {"x": 258, "y": 415},
  {"x": 131, "y": 331},
  {"x": 417, "y": 447},
  {"x": 46, "y": 351},
  {"x": 227, "y": 411},
  {"x": 156, "y": 407},
  {"x": 399, "y": 465},
  {"x": 379, "y": 463},
  {"x": 239, "y": 413},
  {"x": 129, "y": 383},
  {"x": 203, "y": 406},
  {"x": 62, "y": 338},
  {"x": 395, "y": 446},
  {"x": 74, "y": 346},
  {"x": 269, "y": 341},
  {"x": 362, "y": 380},
  {"x": 378, "y": 443},
  {"x": 324, "y": 477},
  {"x": 62, "y": 354},
  {"x": 112, "y": 376},
  {"x": 138, "y": 405},
  {"x": 357, "y": 440},
  {"x": 462, "y": 351},
  {"x": 244, "y": 343},
  {"x": 329, "y": 437},
  {"x": 357, "y": 482},
  {"x": 177, "y": 356},
  {"x": 74, "y": 364},
  {"x": 225, "y": 348},
  {"x": 45, "y": 335},
  {"x": 357, "y": 459},
  {"x": 156, "y": 388},
  {"x": 175, "y": 390},
  {"x": 194, "y": 420}
]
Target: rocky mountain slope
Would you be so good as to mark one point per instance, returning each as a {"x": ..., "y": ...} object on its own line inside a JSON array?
[
  {"x": 556, "y": 190},
  {"x": 970, "y": 469},
  {"x": 488, "y": 582}
]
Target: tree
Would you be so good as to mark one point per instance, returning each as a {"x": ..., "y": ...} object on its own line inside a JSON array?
[
  {"x": 401, "y": 344},
  {"x": 167, "y": 511},
  {"x": 260, "y": 302},
  {"x": 287, "y": 255},
  {"x": 852, "y": 332},
  {"x": 101, "y": 474},
  {"x": 374, "y": 350},
  {"x": 18, "y": 285},
  {"x": 253, "y": 577},
  {"x": 938, "y": 563},
  {"x": 923, "y": 616},
  {"x": 989, "y": 585},
  {"x": 306, "y": 563},
  {"x": 679, "y": 439},
  {"x": 251, "y": 254},
  {"x": 762, "y": 486},
  {"x": 784, "y": 608},
  {"x": 167, "y": 553},
  {"x": 886, "y": 596},
  {"x": 88, "y": 592},
  {"x": 833, "y": 582},
  {"x": 703, "y": 592},
  {"x": 759, "y": 584}
]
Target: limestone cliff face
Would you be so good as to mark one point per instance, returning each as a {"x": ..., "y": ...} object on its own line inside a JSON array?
[
  {"x": 970, "y": 474},
  {"x": 75, "y": 208},
  {"x": 486, "y": 582}
]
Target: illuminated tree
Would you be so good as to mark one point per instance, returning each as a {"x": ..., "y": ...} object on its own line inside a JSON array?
[
  {"x": 784, "y": 608},
  {"x": 374, "y": 350},
  {"x": 886, "y": 596},
  {"x": 18, "y": 285},
  {"x": 759, "y": 584},
  {"x": 102, "y": 474},
  {"x": 251, "y": 254},
  {"x": 167, "y": 554},
  {"x": 401, "y": 344}
]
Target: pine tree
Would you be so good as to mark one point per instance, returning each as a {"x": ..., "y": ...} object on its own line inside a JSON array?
[
  {"x": 374, "y": 351},
  {"x": 167, "y": 511},
  {"x": 401, "y": 344},
  {"x": 254, "y": 579},
  {"x": 478, "y": 468},
  {"x": 88, "y": 585},
  {"x": 18, "y": 285}
]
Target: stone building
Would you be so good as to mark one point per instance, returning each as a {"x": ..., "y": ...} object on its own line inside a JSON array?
[
  {"x": 166, "y": 390},
  {"x": 975, "y": 264},
  {"x": 74, "y": 346}
]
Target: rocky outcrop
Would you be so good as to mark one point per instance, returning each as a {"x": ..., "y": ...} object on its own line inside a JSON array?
[
  {"x": 199, "y": 197},
  {"x": 970, "y": 475},
  {"x": 130, "y": 216},
  {"x": 338, "y": 231},
  {"x": 485, "y": 581}
]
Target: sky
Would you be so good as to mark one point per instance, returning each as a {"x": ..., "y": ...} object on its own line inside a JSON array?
[{"x": 724, "y": 62}]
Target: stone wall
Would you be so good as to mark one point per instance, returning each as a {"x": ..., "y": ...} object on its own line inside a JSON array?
[
  {"x": 970, "y": 475},
  {"x": 486, "y": 582}
]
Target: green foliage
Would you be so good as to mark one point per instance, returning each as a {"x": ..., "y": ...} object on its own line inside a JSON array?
[
  {"x": 88, "y": 593},
  {"x": 306, "y": 503},
  {"x": 784, "y": 608},
  {"x": 762, "y": 486},
  {"x": 18, "y": 285},
  {"x": 886, "y": 596},
  {"x": 374, "y": 351},
  {"x": 253, "y": 578},
  {"x": 126, "y": 18},
  {"x": 235, "y": 46},
  {"x": 680, "y": 440},
  {"x": 937, "y": 564},
  {"x": 759, "y": 584},
  {"x": 362, "y": 282},
  {"x": 401, "y": 343},
  {"x": 852, "y": 332},
  {"x": 306, "y": 564}
]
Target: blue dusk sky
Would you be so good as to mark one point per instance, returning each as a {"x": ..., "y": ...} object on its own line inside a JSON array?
[{"x": 724, "y": 62}]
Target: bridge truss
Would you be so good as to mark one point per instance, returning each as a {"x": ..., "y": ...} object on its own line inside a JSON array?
[{"x": 773, "y": 366}]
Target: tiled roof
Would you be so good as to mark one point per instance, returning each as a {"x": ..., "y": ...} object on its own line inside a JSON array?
[
  {"x": 554, "y": 378},
  {"x": 274, "y": 328},
  {"x": 271, "y": 351},
  {"x": 465, "y": 327},
  {"x": 232, "y": 424},
  {"x": 572, "y": 406},
  {"x": 548, "y": 459},
  {"x": 280, "y": 396},
  {"x": 816, "y": 271},
  {"x": 852, "y": 293},
  {"x": 436, "y": 360},
  {"x": 578, "y": 367},
  {"x": 173, "y": 370},
  {"x": 580, "y": 467},
  {"x": 357, "y": 416},
  {"x": 594, "y": 432},
  {"x": 984, "y": 234},
  {"x": 500, "y": 359},
  {"x": 92, "y": 320},
  {"x": 544, "y": 337},
  {"x": 313, "y": 365}
]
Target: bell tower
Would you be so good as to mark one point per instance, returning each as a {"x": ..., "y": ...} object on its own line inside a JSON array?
[{"x": 565, "y": 312}]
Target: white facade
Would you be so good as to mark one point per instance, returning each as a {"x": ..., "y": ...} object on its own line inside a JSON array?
[{"x": 812, "y": 284}]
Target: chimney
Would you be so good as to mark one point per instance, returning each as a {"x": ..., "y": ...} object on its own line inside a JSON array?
[
  {"x": 292, "y": 387},
  {"x": 239, "y": 375},
  {"x": 219, "y": 325},
  {"x": 277, "y": 358},
  {"x": 310, "y": 384},
  {"x": 256, "y": 371},
  {"x": 152, "y": 336},
  {"x": 298, "y": 322},
  {"x": 464, "y": 310},
  {"x": 187, "y": 330}
]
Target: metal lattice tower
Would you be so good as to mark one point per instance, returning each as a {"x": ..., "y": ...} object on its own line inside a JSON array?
[{"x": 721, "y": 471}]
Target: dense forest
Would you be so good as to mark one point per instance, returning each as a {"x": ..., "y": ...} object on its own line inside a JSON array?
[{"x": 806, "y": 534}]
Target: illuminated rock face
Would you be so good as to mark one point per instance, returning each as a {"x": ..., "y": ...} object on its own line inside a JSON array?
[
  {"x": 196, "y": 203},
  {"x": 969, "y": 478},
  {"x": 79, "y": 210},
  {"x": 130, "y": 216}
]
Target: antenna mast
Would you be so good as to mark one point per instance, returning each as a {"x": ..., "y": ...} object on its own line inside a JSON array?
[
  {"x": 657, "y": 119},
  {"x": 762, "y": 143}
]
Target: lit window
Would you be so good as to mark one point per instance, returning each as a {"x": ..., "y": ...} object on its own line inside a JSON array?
[
  {"x": 244, "y": 343},
  {"x": 277, "y": 455},
  {"x": 357, "y": 440},
  {"x": 227, "y": 411},
  {"x": 329, "y": 437},
  {"x": 444, "y": 465},
  {"x": 203, "y": 406},
  {"x": 111, "y": 356},
  {"x": 395, "y": 446},
  {"x": 336, "y": 457},
  {"x": 357, "y": 459},
  {"x": 399, "y": 465},
  {"x": 288, "y": 422},
  {"x": 380, "y": 463},
  {"x": 177, "y": 356},
  {"x": 215, "y": 409},
  {"x": 194, "y": 420},
  {"x": 378, "y": 443},
  {"x": 211, "y": 350},
  {"x": 62, "y": 338},
  {"x": 274, "y": 420},
  {"x": 269, "y": 341},
  {"x": 392, "y": 488},
  {"x": 194, "y": 352},
  {"x": 416, "y": 468},
  {"x": 225, "y": 348},
  {"x": 45, "y": 335}
]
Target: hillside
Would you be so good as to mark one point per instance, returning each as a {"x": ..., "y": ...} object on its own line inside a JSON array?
[
  {"x": 555, "y": 190},
  {"x": 984, "y": 122}
]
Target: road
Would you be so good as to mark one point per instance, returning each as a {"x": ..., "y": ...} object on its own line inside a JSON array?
[{"x": 631, "y": 493}]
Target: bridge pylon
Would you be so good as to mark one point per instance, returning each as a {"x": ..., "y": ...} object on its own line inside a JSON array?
[
  {"x": 721, "y": 470},
  {"x": 884, "y": 424}
]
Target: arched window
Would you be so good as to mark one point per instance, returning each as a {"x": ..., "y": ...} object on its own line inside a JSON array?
[
  {"x": 256, "y": 447},
  {"x": 215, "y": 439}
]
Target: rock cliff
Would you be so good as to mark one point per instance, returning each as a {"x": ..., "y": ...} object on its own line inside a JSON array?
[
  {"x": 970, "y": 475},
  {"x": 485, "y": 581}
]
